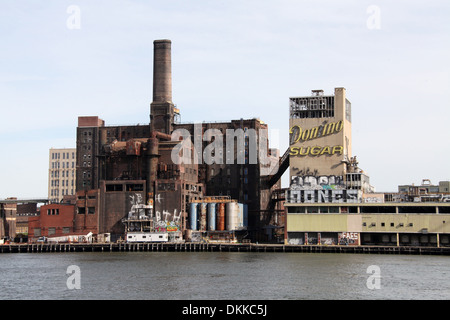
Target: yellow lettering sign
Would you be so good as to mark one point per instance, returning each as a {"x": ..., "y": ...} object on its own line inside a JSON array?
[
  {"x": 315, "y": 151},
  {"x": 301, "y": 135}
]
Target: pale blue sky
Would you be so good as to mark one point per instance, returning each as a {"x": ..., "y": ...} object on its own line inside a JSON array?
[{"x": 230, "y": 59}]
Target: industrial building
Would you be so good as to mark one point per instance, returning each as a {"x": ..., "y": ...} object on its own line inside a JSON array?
[
  {"x": 14, "y": 217},
  {"x": 126, "y": 176},
  {"x": 330, "y": 200}
]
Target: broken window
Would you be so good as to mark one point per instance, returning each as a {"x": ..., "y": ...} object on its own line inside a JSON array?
[{"x": 114, "y": 187}]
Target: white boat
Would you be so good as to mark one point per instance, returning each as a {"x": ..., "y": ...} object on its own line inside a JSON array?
[{"x": 147, "y": 237}]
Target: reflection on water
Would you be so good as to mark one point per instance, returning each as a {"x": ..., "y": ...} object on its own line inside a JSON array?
[{"x": 224, "y": 275}]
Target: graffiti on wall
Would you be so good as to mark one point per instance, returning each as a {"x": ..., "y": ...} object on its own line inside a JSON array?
[
  {"x": 311, "y": 182},
  {"x": 167, "y": 216},
  {"x": 348, "y": 238},
  {"x": 138, "y": 206},
  {"x": 166, "y": 226},
  {"x": 323, "y": 196}
]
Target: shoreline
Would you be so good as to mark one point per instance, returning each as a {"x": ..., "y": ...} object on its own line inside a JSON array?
[{"x": 218, "y": 247}]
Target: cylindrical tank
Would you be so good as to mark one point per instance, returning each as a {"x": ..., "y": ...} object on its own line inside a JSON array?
[
  {"x": 231, "y": 212},
  {"x": 221, "y": 216},
  {"x": 203, "y": 208},
  {"x": 212, "y": 216},
  {"x": 193, "y": 215}
]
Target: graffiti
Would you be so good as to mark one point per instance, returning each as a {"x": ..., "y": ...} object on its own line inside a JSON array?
[
  {"x": 137, "y": 206},
  {"x": 311, "y": 182},
  {"x": 323, "y": 196},
  {"x": 373, "y": 200},
  {"x": 348, "y": 238},
  {"x": 167, "y": 216},
  {"x": 327, "y": 241},
  {"x": 166, "y": 226}
]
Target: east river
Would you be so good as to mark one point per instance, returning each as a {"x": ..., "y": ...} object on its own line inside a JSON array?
[{"x": 222, "y": 276}]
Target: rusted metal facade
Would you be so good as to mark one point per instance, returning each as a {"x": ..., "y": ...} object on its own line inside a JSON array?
[{"x": 111, "y": 159}]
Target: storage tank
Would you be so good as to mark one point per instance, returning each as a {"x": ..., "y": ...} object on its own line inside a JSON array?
[
  {"x": 212, "y": 216},
  {"x": 203, "y": 209},
  {"x": 193, "y": 215},
  {"x": 221, "y": 216},
  {"x": 231, "y": 212}
]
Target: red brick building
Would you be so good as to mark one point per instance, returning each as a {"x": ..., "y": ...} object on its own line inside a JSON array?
[{"x": 55, "y": 220}]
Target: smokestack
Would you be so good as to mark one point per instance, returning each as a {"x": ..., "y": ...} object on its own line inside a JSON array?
[
  {"x": 162, "y": 108},
  {"x": 162, "y": 71}
]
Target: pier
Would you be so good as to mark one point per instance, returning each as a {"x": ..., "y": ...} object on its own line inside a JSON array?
[{"x": 216, "y": 247}]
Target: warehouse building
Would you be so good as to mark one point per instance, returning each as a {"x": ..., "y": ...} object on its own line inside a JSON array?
[{"x": 330, "y": 200}]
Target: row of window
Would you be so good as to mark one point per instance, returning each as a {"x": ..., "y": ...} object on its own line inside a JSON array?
[
  {"x": 82, "y": 210},
  {"x": 65, "y": 155},
  {"x": 65, "y": 165},
  {"x": 64, "y": 183},
  {"x": 51, "y": 231},
  {"x": 383, "y": 224},
  {"x": 64, "y": 173},
  {"x": 64, "y": 192}
]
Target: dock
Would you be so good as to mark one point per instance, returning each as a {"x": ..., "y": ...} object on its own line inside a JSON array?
[{"x": 217, "y": 247}]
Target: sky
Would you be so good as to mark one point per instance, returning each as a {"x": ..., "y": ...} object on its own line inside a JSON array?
[{"x": 230, "y": 60}]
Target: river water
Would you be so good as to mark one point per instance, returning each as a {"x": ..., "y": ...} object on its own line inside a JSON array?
[{"x": 222, "y": 276}]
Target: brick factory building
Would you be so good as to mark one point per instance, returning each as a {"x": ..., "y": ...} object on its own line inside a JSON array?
[{"x": 131, "y": 172}]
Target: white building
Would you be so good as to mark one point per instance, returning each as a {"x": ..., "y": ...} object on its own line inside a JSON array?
[{"x": 61, "y": 173}]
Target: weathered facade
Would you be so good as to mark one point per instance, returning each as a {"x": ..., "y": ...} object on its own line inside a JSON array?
[
  {"x": 136, "y": 169},
  {"x": 330, "y": 200}
]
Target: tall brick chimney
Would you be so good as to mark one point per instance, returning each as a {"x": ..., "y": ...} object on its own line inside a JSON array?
[{"x": 162, "y": 108}]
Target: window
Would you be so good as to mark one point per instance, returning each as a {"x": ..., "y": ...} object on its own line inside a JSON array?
[
  {"x": 392, "y": 224},
  {"x": 81, "y": 210},
  {"x": 114, "y": 187},
  {"x": 91, "y": 210},
  {"x": 135, "y": 187},
  {"x": 51, "y": 230},
  {"x": 66, "y": 230},
  {"x": 382, "y": 224}
]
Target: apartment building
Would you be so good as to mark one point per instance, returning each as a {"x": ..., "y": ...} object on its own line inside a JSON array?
[{"x": 61, "y": 173}]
